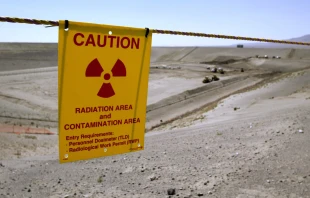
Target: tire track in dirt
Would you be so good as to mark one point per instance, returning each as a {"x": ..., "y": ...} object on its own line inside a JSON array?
[
  {"x": 188, "y": 53},
  {"x": 26, "y": 103},
  {"x": 291, "y": 53},
  {"x": 42, "y": 110}
]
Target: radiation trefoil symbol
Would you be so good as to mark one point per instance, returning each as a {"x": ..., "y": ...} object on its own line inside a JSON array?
[{"x": 94, "y": 69}]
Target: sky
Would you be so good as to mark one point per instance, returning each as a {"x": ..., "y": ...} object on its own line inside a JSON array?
[{"x": 252, "y": 18}]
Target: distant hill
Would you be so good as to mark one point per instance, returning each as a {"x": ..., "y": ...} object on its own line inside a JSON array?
[{"x": 305, "y": 38}]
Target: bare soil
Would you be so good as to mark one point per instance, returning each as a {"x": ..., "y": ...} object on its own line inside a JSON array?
[{"x": 245, "y": 136}]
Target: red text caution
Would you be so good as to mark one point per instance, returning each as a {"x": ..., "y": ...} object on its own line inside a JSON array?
[{"x": 92, "y": 40}]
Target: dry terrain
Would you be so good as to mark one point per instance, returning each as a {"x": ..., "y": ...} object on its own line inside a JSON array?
[{"x": 244, "y": 136}]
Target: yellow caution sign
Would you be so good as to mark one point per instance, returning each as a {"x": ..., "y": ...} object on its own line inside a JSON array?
[{"x": 103, "y": 84}]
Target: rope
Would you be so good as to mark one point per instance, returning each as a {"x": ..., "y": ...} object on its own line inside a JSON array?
[
  {"x": 28, "y": 21},
  {"x": 226, "y": 37},
  {"x": 55, "y": 23}
]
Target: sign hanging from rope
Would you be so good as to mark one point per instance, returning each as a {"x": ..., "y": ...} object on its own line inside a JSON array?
[{"x": 103, "y": 84}]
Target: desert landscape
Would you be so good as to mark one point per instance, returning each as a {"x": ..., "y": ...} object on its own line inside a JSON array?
[{"x": 245, "y": 135}]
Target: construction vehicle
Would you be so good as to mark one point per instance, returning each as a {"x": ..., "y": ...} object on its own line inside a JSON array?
[
  {"x": 214, "y": 70},
  {"x": 208, "y": 80},
  {"x": 221, "y": 70},
  {"x": 215, "y": 78}
]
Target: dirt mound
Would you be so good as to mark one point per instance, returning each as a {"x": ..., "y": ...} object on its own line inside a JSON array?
[
  {"x": 35, "y": 55},
  {"x": 225, "y": 60},
  {"x": 282, "y": 65},
  {"x": 208, "y": 54},
  {"x": 163, "y": 54},
  {"x": 15, "y": 56},
  {"x": 7, "y": 46},
  {"x": 301, "y": 54}
]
